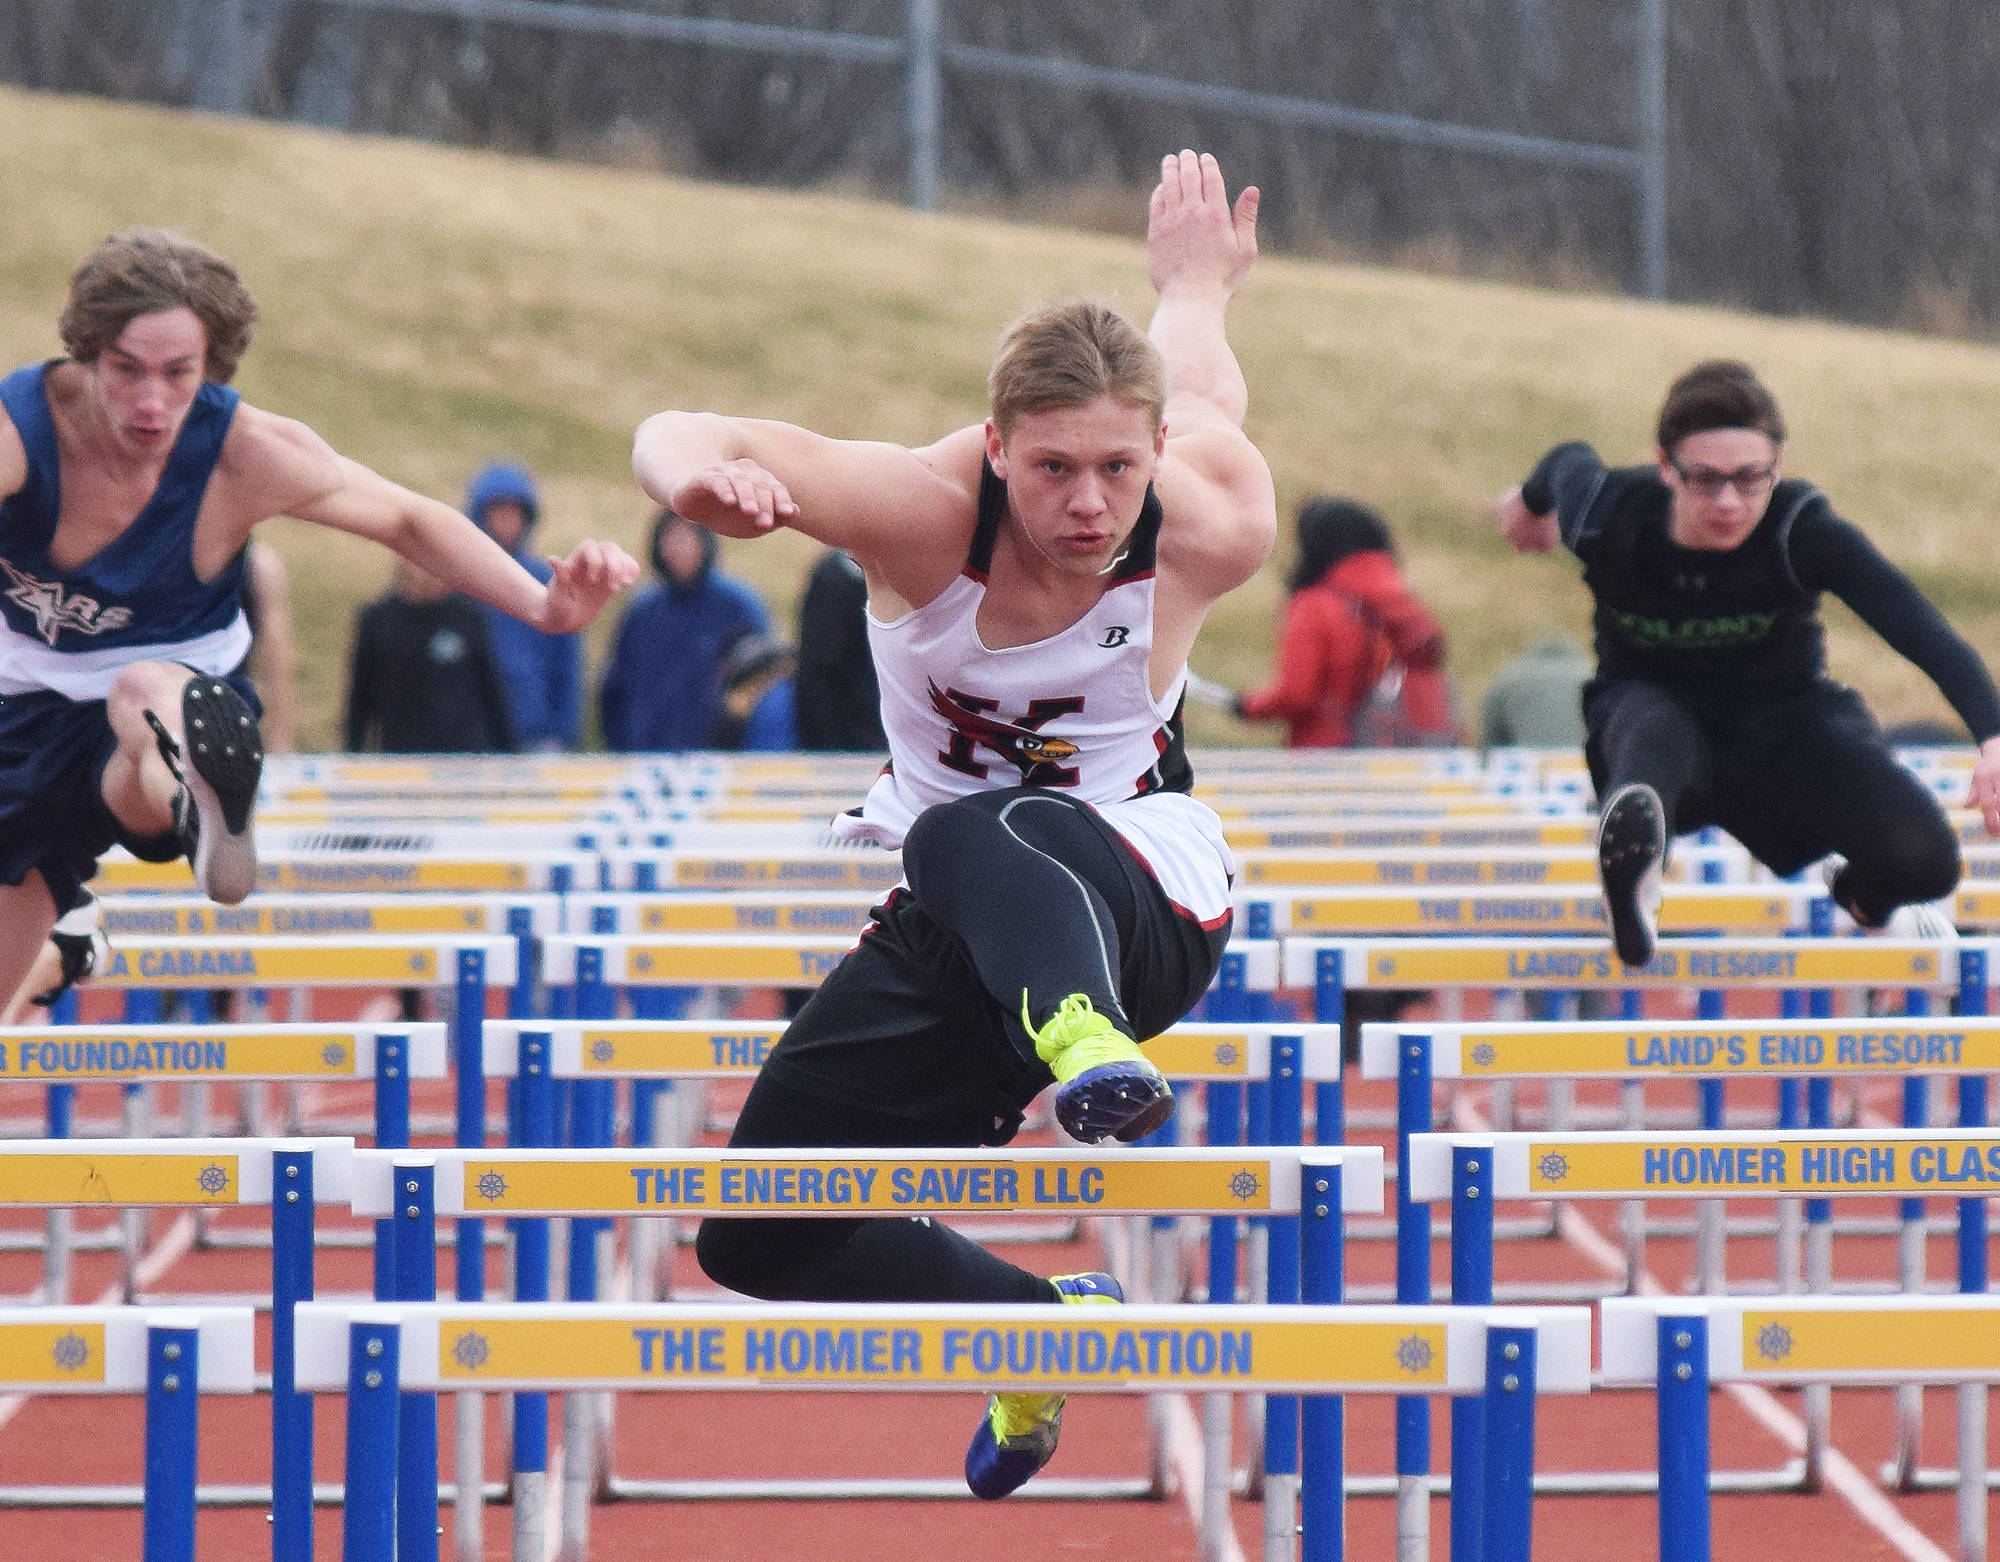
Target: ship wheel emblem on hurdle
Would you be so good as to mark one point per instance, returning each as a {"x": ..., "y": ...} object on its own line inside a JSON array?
[
  {"x": 1413, "y": 1354},
  {"x": 1774, "y": 1342},
  {"x": 333, "y": 1054},
  {"x": 213, "y": 1179},
  {"x": 491, "y": 1185},
  {"x": 1244, "y": 1185},
  {"x": 602, "y": 1051},
  {"x": 1226, "y": 1054},
  {"x": 470, "y": 1351},
  {"x": 1553, "y": 1167},
  {"x": 71, "y": 1352},
  {"x": 1482, "y": 1055}
]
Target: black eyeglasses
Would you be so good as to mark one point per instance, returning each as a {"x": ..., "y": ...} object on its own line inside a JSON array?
[{"x": 1749, "y": 481}]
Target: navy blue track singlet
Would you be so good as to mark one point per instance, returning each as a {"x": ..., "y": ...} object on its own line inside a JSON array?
[{"x": 138, "y": 598}]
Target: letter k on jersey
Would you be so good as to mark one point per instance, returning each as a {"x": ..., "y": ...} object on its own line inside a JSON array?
[{"x": 1037, "y": 757}]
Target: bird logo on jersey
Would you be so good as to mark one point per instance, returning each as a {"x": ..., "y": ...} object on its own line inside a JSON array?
[
  {"x": 54, "y": 611},
  {"x": 1037, "y": 755}
]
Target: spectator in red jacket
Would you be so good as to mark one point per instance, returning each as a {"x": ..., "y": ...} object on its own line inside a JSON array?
[{"x": 1360, "y": 659}]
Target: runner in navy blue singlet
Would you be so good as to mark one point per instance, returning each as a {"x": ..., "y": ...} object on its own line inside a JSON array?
[{"x": 130, "y": 479}]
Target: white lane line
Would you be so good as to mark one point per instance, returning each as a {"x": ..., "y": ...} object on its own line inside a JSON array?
[
  {"x": 1861, "y": 1494},
  {"x": 1184, "y": 1447}
]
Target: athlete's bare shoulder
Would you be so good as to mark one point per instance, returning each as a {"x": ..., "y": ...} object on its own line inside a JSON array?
[{"x": 273, "y": 465}]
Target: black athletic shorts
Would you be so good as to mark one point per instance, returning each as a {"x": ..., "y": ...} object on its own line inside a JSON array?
[
  {"x": 903, "y": 1027},
  {"x": 53, "y": 751},
  {"x": 1793, "y": 777}
]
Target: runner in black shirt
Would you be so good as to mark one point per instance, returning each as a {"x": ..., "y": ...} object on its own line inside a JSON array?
[{"x": 1711, "y": 703}]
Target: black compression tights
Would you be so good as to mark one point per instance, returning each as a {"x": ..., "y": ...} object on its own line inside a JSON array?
[
  {"x": 885, "y": 1260},
  {"x": 1021, "y": 879}
]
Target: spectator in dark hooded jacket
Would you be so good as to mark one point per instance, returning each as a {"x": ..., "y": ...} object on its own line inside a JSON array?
[
  {"x": 542, "y": 675},
  {"x": 662, "y": 685}
]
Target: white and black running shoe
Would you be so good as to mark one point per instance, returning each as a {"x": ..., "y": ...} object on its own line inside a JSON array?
[
  {"x": 218, "y": 772},
  {"x": 1631, "y": 847},
  {"x": 79, "y": 939}
]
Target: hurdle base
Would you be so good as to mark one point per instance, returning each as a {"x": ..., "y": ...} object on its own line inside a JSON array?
[
  {"x": 1931, "y": 1480},
  {"x": 862, "y": 1489},
  {"x": 1608, "y": 1483},
  {"x": 326, "y": 1494}
]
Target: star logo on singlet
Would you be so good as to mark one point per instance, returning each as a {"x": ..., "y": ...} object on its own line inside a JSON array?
[{"x": 56, "y": 611}]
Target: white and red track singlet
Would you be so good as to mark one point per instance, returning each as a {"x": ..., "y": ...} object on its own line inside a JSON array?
[{"x": 1074, "y": 712}]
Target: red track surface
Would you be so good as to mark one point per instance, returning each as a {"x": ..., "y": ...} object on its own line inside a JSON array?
[{"x": 746, "y": 1435}]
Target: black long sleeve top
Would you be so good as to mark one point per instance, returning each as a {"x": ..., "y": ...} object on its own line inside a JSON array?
[{"x": 1722, "y": 627}]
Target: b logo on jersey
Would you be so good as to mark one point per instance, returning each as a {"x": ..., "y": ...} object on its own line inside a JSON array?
[
  {"x": 54, "y": 611},
  {"x": 1114, "y": 636},
  {"x": 1038, "y": 756}
]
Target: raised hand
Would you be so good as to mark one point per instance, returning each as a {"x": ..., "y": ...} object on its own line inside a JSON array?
[
  {"x": 1194, "y": 238},
  {"x": 583, "y": 583},
  {"x": 737, "y": 498}
]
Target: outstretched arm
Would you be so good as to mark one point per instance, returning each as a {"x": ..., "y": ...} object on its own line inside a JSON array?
[
  {"x": 289, "y": 470},
  {"x": 1213, "y": 481}
]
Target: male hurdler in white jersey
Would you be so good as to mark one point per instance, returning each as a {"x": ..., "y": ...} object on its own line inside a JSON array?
[{"x": 1035, "y": 584}]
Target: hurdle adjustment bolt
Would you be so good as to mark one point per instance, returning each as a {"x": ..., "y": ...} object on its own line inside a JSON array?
[
  {"x": 410, "y": 1186},
  {"x": 1683, "y": 1371},
  {"x": 1472, "y": 1166},
  {"x": 291, "y": 1195},
  {"x": 1319, "y": 1209},
  {"x": 1319, "y": 1185},
  {"x": 1511, "y": 1351},
  {"x": 372, "y": 1379},
  {"x": 292, "y": 1170},
  {"x": 170, "y": 1384},
  {"x": 171, "y": 1352},
  {"x": 412, "y": 1211},
  {"x": 373, "y": 1347},
  {"x": 1683, "y": 1340},
  {"x": 1472, "y": 1193},
  {"x": 1509, "y": 1383}
]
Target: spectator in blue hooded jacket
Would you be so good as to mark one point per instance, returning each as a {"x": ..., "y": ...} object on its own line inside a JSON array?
[
  {"x": 542, "y": 675},
  {"x": 662, "y": 684}
]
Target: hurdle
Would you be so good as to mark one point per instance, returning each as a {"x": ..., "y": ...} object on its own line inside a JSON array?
[
  {"x": 1505, "y": 1356},
  {"x": 172, "y": 1356},
  {"x": 1746, "y": 909},
  {"x": 291, "y": 1178},
  {"x": 1472, "y": 1170},
  {"x": 1679, "y": 1346},
  {"x": 531, "y": 1185},
  {"x": 359, "y": 861},
  {"x": 1463, "y": 868},
  {"x": 62, "y": 1057}
]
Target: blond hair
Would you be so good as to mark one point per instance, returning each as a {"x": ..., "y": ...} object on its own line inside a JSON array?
[
  {"x": 143, "y": 271},
  {"x": 1068, "y": 355}
]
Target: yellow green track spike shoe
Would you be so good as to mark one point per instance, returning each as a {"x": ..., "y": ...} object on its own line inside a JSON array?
[
  {"x": 1017, "y": 1435},
  {"x": 1105, "y": 1086}
]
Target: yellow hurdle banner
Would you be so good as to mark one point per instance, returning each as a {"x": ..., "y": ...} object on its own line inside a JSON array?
[
  {"x": 1140, "y": 1349},
  {"x": 840, "y": 913},
  {"x": 102, "y": 1350},
  {"x": 1193, "y": 1181},
  {"x": 287, "y": 916},
  {"x": 1518, "y": 867},
  {"x": 1812, "y": 1163},
  {"x": 1818, "y": 1339},
  {"x": 705, "y": 1049},
  {"x": 1412, "y": 834},
  {"x": 694, "y": 960},
  {"x": 1748, "y": 908},
  {"x": 143, "y": 1054},
  {"x": 367, "y": 961},
  {"x": 1691, "y": 1049},
  {"x": 373, "y": 871},
  {"x": 192, "y": 1173},
  {"x": 865, "y": 872},
  {"x": 1581, "y": 963}
]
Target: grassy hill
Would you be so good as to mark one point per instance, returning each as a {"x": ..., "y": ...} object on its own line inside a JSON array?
[{"x": 430, "y": 309}]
